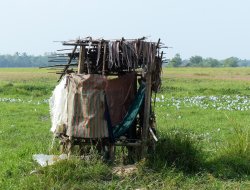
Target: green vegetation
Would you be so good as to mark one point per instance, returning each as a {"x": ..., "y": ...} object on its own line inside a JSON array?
[
  {"x": 198, "y": 61},
  {"x": 203, "y": 128},
  {"x": 23, "y": 60}
]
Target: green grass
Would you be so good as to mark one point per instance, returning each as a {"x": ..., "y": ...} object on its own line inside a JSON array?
[{"x": 199, "y": 147}]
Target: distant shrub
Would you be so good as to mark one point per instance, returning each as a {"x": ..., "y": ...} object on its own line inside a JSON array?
[{"x": 9, "y": 84}]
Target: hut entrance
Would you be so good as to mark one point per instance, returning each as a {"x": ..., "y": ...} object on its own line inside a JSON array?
[{"x": 105, "y": 93}]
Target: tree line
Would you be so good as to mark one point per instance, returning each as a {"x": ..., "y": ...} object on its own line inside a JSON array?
[
  {"x": 199, "y": 61},
  {"x": 24, "y": 60}
]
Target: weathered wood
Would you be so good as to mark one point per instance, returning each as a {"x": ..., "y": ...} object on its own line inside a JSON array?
[
  {"x": 145, "y": 128},
  {"x": 63, "y": 49},
  {"x": 57, "y": 60},
  {"x": 96, "y": 42},
  {"x": 158, "y": 43},
  {"x": 70, "y": 59},
  {"x": 81, "y": 60},
  {"x": 104, "y": 57}
]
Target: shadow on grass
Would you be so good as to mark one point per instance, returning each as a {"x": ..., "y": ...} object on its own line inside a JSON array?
[
  {"x": 179, "y": 150},
  {"x": 182, "y": 151},
  {"x": 230, "y": 166},
  {"x": 233, "y": 159}
]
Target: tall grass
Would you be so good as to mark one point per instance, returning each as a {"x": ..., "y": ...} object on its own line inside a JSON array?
[{"x": 233, "y": 158}]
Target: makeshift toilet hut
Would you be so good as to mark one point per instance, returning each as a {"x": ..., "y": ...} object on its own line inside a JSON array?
[{"x": 105, "y": 93}]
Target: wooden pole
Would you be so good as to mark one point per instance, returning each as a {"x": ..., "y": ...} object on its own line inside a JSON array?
[
  {"x": 104, "y": 58},
  {"x": 146, "y": 114},
  {"x": 81, "y": 60}
]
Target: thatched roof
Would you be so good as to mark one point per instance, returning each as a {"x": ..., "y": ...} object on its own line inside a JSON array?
[{"x": 111, "y": 56}]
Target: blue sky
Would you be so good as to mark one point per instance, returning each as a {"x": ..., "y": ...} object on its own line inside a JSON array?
[{"x": 210, "y": 28}]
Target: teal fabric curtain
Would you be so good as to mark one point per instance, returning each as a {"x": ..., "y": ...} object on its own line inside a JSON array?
[{"x": 129, "y": 118}]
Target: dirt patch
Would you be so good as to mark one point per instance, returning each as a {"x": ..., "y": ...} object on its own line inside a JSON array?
[{"x": 124, "y": 170}]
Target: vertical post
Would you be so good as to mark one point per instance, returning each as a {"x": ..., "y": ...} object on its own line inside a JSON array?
[
  {"x": 146, "y": 114},
  {"x": 80, "y": 70},
  {"x": 104, "y": 58},
  {"x": 81, "y": 60}
]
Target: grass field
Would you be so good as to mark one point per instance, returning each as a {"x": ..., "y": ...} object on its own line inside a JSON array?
[{"x": 203, "y": 127}]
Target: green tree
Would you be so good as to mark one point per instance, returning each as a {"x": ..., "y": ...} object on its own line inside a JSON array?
[
  {"x": 176, "y": 61},
  {"x": 210, "y": 62},
  {"x": 23, "y": 60},
  {"x": 244, "y": 63},
  {"x": 231, "y": 62},
  {"x": 195, "y": 61}
]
